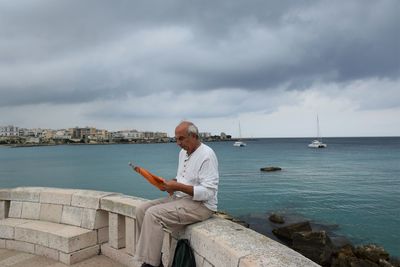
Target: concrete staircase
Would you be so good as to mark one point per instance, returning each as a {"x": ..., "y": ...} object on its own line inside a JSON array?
[{"x": 12, "y": 258}]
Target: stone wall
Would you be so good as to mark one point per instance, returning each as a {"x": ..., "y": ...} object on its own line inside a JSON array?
[{"x": 215, "y": 242}]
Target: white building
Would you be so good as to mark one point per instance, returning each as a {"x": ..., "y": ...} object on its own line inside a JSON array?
[
  {"x": 37, "y": 132},
  {"x": 204, "y": 135},
  {"x": 9, "y": 130},
  {"x": 128, "y": 134}
]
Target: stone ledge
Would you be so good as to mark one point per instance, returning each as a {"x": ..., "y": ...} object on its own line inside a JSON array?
[
  {"x": 63, "y": 238},
  {"x": 224, "y": 243},
  {"x": 121, "y": 204},
  {"x": 216, "y": 242}
]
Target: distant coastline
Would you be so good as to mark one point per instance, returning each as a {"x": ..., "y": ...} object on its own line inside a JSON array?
[{"x": 121, "y": 142}]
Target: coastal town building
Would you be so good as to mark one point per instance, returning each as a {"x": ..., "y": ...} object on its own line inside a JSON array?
[
  {"x": 203, "y": 135},
  {"x": 224, "y": 136},
  {"x": 9, "y": 130},
  {"x": 36, "y": 132},
  {"x": 128, "y": 134},
  {"x": 83, "y": 133}
]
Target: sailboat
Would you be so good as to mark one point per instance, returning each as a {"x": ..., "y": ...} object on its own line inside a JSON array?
[
  {"x": 240, "y": 143},
  {"x": 317, "y": 143}
]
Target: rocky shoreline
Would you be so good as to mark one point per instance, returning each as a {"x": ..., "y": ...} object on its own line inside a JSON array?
[{"x": 317, "y": 242}]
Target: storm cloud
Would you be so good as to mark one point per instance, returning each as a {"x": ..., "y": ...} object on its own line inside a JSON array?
[{"x": 153, "y": 59}]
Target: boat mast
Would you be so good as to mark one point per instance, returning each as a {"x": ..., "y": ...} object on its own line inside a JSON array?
[
  {"x": 318, "y": 136},
  {"x": 240, "y": 132}
]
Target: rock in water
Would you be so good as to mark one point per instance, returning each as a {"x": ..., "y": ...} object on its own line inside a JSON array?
[
  {"x": 316, "y": 246},
  {"x": 276, "y": 218},
  {"x": 286, "y": 232},
  {"x": 372, "y": 252},
  {"x": 270, "y": 169}
]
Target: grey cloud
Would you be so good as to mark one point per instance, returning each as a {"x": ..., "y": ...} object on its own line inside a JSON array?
[{"x": 97, "y": 50}]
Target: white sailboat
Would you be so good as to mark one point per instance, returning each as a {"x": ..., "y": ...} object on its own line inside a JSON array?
[
  {"x": 240, "y": 143},
  {"x": 317, "y": 143}
]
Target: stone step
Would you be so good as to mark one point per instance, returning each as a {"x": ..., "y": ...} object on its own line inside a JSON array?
[
  {"x": 12, "y": 258},
  {"x": 16, "y": 259}
]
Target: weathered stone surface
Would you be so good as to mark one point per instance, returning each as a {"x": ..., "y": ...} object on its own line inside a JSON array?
[
  {"x": 130, "y": 236},
  {"x": 102, "y": 235},
  {"x": 226, "y": 216},
  {"x": 124, "y": 205},
  {"x": 72, "y": 239},
  {"x": 2, "y": 243},
  {"x": 4, "y": 209},
  {"x": 7, "y": 227},
  {"x": 116, "y": 232},
  {"x": 30, "y": 194},
  {"x": 20, "y": 246},
  {"x": 316, "y": 246},
  {"x": 30, "y": 210},
  {"x": 88, "y": 218},
  {"x": 57, "y": 196},
  {"x": 198, "y": 259},
  {"x": 72, "y": 215},
  {"x": 6, "y": 231},
  {"x": 206, "y": 263},
  {"x": 217, "y": 241},
  {"x": 119, "y": 255},
  {"x": 78, "y": 256},
  {"x": 47, "y": 252},
  {"x": 65, "y": 238},
  {"x": 94, "y": 219},
  {"x": 286, "y": 232},
  {"x": 31, "y": 236},
  {"x": 50, "y": 212},
  {"x": 223, "y": 243},
  {"x": 88, "y": 199},
  {"x": 5, "y": 194},
  {"x": 15, "y": 209}
]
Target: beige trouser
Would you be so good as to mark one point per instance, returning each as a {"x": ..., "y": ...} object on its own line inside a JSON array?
[{"x": 172, "y": 213}]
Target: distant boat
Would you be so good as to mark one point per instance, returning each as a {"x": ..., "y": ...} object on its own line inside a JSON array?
[
  {"x": 240, "y": 143},
  {"x": 317, "y": 143}
]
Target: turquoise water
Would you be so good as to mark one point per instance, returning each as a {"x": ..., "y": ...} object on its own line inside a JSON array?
[{"x": 354, "y": 183}]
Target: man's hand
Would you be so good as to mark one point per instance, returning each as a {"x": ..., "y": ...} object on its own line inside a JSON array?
[{"x": 172, "y": 185}]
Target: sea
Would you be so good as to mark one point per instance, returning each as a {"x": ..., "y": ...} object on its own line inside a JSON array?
[{"x": 351, "y": 188}]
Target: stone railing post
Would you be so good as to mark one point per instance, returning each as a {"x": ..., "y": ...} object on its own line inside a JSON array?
[
  {"x": 116, "y": 230},
  {"x": 131, "y": 235},
  {"x": 4, "y": 208}
]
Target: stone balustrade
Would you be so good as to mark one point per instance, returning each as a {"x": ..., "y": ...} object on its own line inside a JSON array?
[{"x": 70, "y": 225}]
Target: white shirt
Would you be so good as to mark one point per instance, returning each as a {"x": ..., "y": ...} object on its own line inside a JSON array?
[{"x": 200, "y": 170}]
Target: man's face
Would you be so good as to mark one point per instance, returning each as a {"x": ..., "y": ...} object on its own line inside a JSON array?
[{"x": 185, "y": 141}]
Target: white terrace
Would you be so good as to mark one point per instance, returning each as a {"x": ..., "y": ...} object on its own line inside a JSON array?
[{"x": 91, "y": 228}]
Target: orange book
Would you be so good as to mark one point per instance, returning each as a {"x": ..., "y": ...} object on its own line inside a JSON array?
[{"x": 155, "y": 180}]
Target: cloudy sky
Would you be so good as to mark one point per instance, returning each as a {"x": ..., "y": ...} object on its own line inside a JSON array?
[{"x": 146, "y": 65}]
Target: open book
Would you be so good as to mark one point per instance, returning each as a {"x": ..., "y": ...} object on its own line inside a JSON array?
[{"x": 151, "y": 178}]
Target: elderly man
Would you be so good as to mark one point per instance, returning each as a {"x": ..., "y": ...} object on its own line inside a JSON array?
[{"x": 193, "y": 195}]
